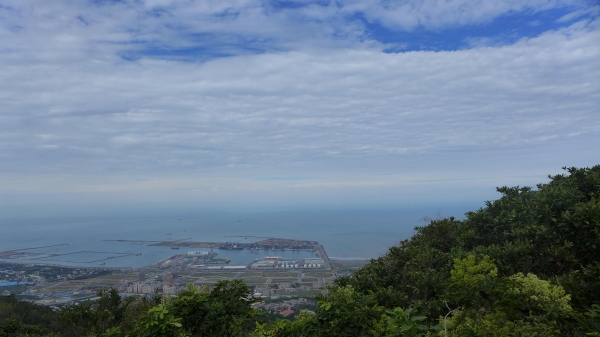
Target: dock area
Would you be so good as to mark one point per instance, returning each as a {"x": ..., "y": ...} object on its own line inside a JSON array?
[
  {"x": 266, "y": 244},
  {"x": 271, "y": 245}
]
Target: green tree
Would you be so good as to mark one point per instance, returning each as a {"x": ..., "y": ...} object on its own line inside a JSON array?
[
  {"x": 11, "y": 327},
  {"x": 346, "y": 312},
  {"x": 473, "y": 283},
  {"x": 109, "y": 311},
  {"x": 402, "y": 322},
  {"x": 158, "y": 322},
  {"x": 13, "y": 311},
  {"x": 301, "y": 326},
  {"x": 223, "y": 311}
]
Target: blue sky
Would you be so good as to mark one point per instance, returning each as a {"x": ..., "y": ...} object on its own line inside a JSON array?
[{"x": 271, "y": 105}]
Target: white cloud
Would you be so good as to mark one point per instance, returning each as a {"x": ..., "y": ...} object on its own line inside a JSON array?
[
  {"x": 593, "y": 11},
  {"x": 64, "y": 28},
  {"x": 407, "y": 14},
  {"x": 71, "y": 106}
]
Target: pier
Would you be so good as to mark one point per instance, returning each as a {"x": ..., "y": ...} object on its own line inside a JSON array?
[
  {"x": 30, "y": 248},
  {"x": 134, "y": 241},
  {"x": 323, "y": 254},
  {"x": 115, "y": 255}
]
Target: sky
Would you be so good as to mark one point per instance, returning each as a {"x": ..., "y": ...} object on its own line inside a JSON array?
[{"x": 273, "y": 105}]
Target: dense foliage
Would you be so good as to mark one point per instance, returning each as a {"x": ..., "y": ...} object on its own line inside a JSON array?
[
  {"x": 527, "y": 264},
  {"x": 19, "y": 317}
]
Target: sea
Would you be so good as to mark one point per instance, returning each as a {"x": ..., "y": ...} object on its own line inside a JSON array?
[{"x": 88, "y": 241}]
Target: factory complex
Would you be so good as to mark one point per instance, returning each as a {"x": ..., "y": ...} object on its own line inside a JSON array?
[{"x": 277, "y": 262}]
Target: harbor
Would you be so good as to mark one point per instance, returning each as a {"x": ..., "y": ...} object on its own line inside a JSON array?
[
  {"x": 278, "y": 267},
  {"x": 203, "y": 254},
  {"x": 207, "y": 259},
  {"x": 266, "y": 244}
]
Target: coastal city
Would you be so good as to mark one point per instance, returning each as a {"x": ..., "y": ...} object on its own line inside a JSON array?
[{"x": 284, "y": 284}]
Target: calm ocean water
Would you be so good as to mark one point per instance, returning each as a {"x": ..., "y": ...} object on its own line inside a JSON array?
[{"x": 80, "y": 240}]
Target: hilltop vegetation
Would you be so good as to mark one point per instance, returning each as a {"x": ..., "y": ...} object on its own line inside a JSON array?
[
  {"x": 527, "y": 264},
  {"x": 508, "y": 264}
]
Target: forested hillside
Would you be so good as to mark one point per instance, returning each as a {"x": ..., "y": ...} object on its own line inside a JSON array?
[
  {"x": 529, "y": 261},
  {"x": 527, "y": 264}
]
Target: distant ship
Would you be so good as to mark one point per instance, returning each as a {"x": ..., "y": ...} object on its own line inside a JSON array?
[
  {"x": 174, "y": 247},
  {"x": 231, "y": 247}
]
